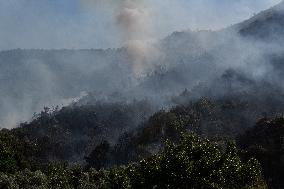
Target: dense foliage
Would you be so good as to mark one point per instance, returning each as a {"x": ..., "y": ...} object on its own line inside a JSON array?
[
  {"x": 266, "y": 143},
  {"x": 71, "y": 133},
  {"x": 192, "y": 163},
  {"x": 106, "y": 151}
]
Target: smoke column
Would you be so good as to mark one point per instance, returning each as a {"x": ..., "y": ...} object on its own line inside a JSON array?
[{"x": 134, "y": 28}]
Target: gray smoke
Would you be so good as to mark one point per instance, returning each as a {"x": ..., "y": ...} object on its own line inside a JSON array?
[{"x": 143, "y": 68}]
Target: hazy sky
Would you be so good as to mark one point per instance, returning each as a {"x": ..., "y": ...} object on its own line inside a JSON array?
[{"x": 72, "y": 24}]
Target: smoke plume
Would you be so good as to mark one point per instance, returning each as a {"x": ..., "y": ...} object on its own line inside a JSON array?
[{"x": 133, "y": 22}]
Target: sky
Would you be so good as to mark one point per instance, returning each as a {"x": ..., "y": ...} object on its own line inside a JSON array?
[{"x": 77, "y": 24}]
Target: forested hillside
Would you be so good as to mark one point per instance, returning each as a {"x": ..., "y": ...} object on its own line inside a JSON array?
[{"x": 204, "y": 111}]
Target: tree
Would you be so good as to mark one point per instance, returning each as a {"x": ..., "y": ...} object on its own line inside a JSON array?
[{"x": 192, "y": 163}]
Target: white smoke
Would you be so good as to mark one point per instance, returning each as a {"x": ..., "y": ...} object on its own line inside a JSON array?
[
  {"x": 133, "y": 22},
  {"x": 56, "y": 76}
]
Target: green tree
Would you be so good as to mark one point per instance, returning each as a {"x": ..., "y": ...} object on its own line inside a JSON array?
[{"x": 195, "y": 163}]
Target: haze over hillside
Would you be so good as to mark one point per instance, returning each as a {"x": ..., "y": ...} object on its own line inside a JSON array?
[{"x": 32, "y": 79}]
